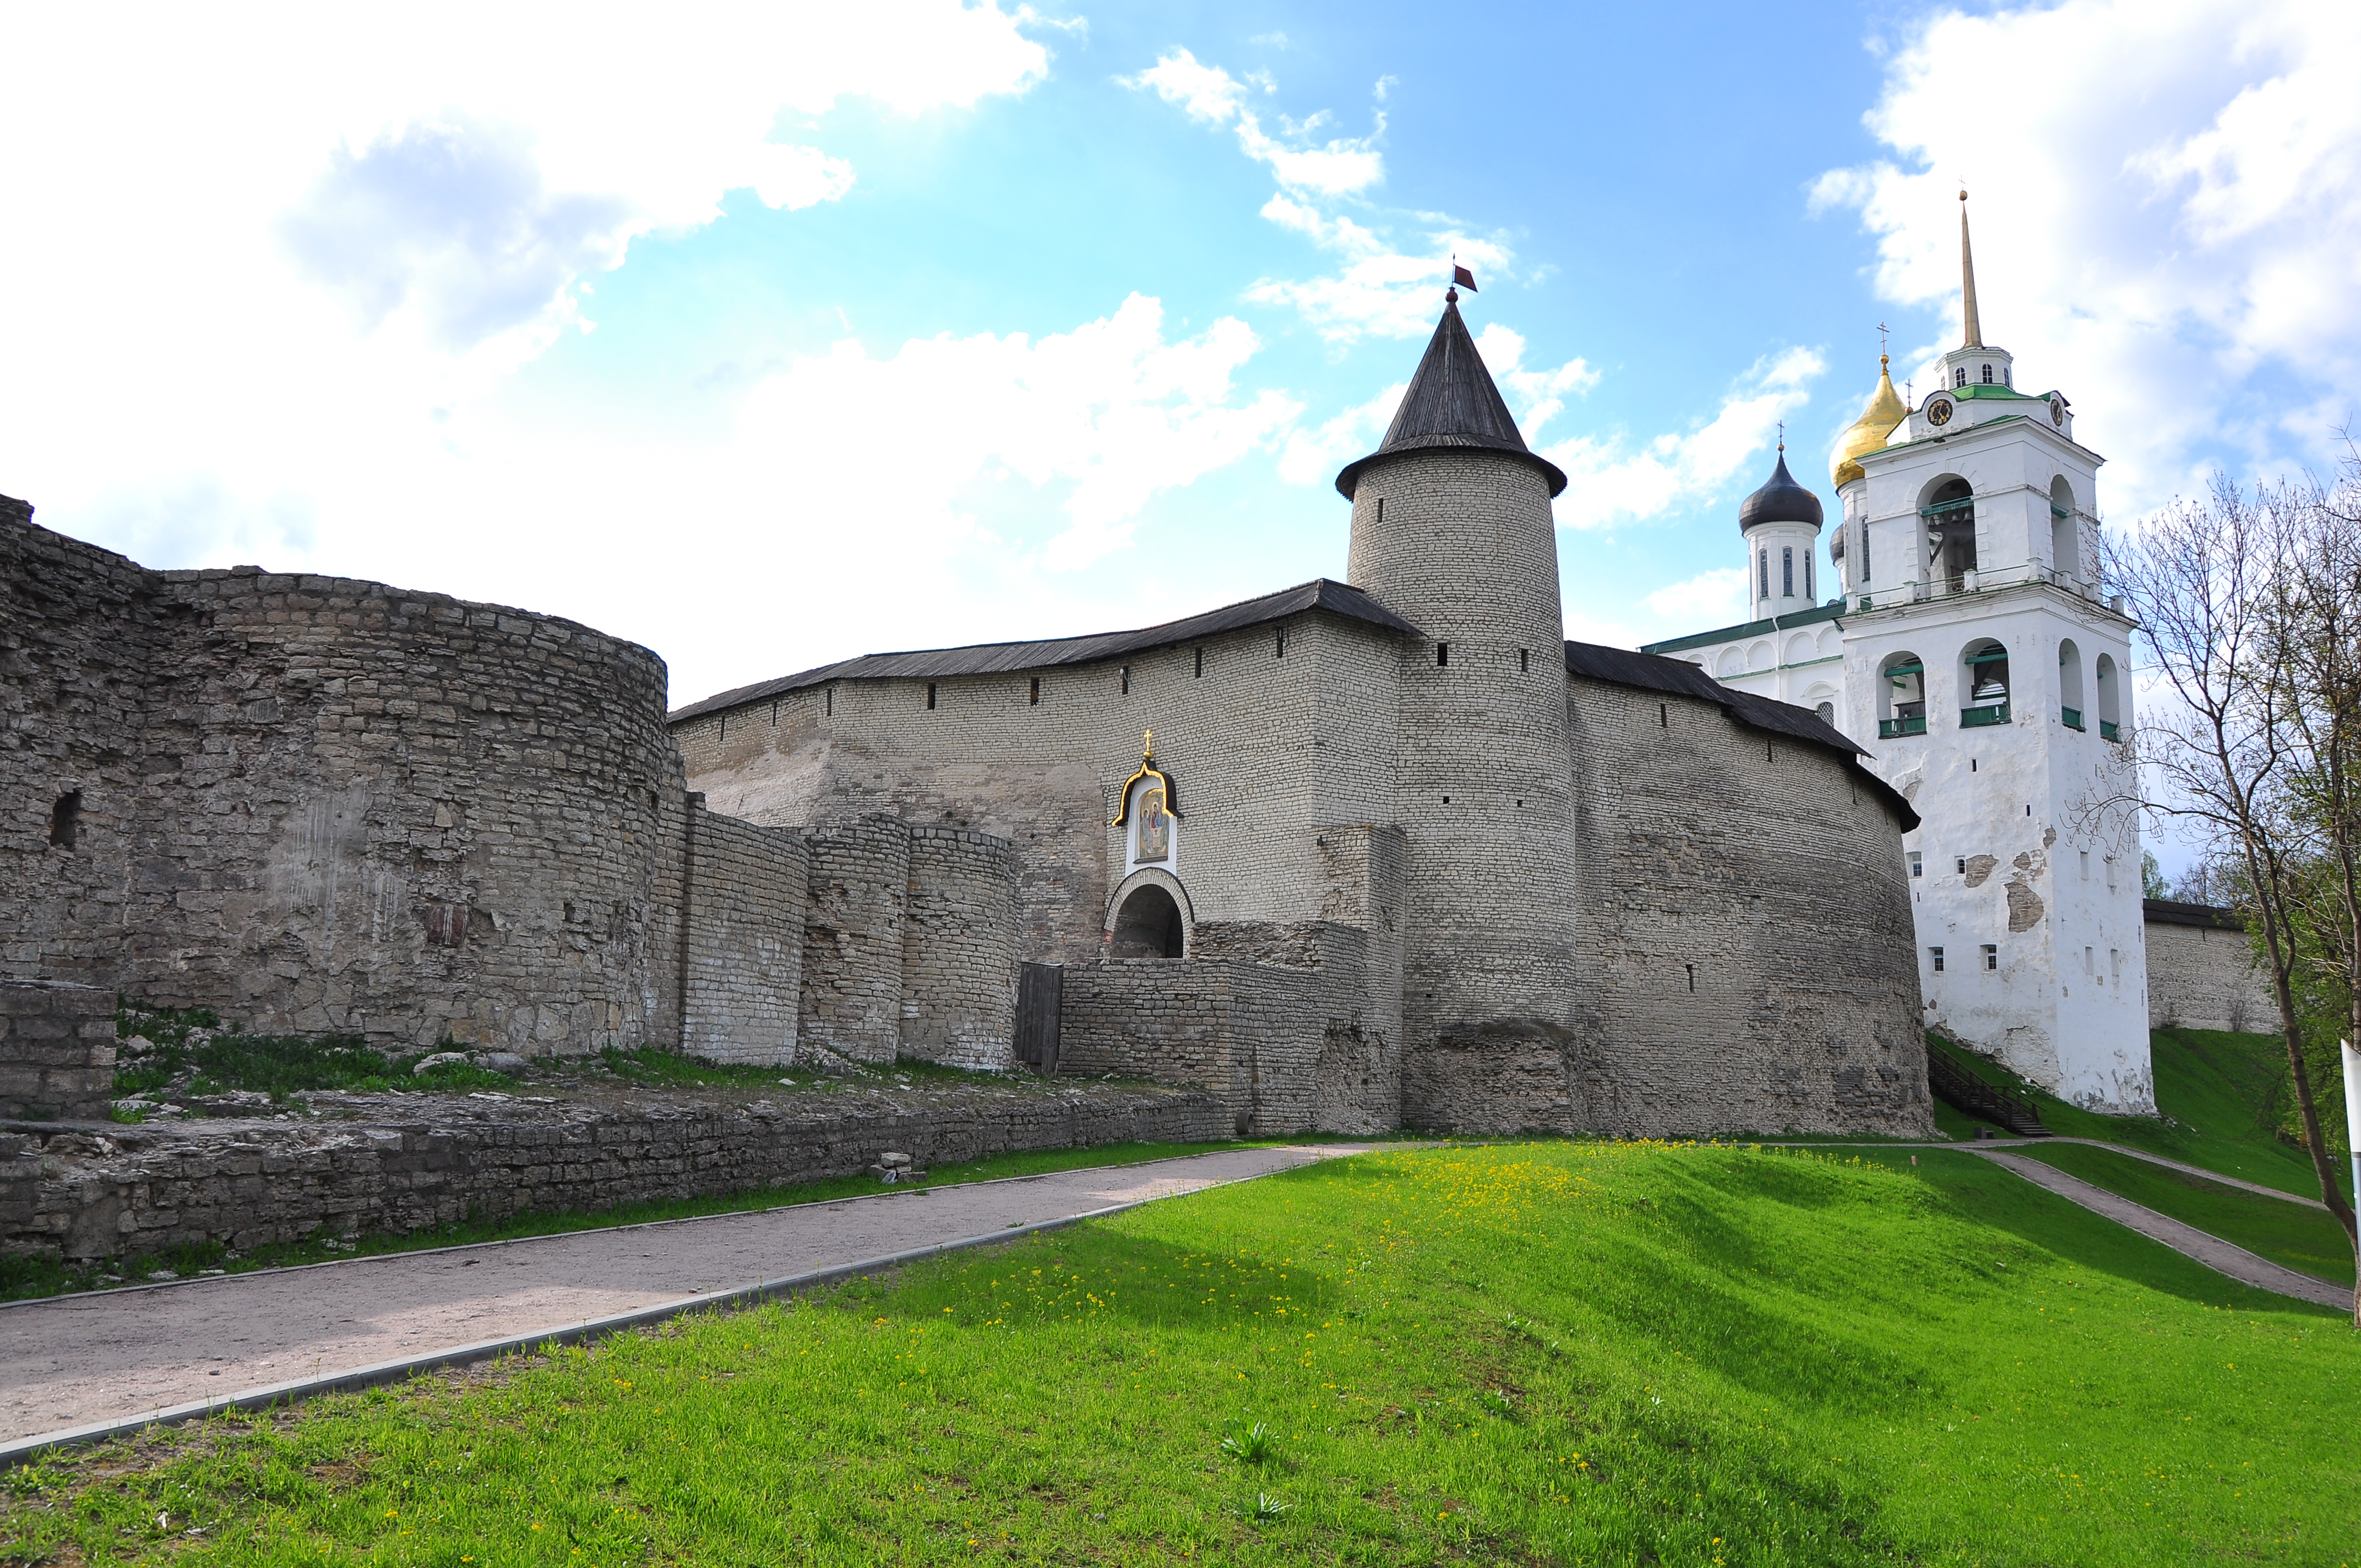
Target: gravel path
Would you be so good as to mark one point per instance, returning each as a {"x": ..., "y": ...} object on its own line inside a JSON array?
[
  {"x": 75, "y": 1361},
  {"x": 2209, "y": 1250}
]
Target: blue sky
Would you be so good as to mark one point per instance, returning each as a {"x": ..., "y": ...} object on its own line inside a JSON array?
[{"x": 789, "y": 333}]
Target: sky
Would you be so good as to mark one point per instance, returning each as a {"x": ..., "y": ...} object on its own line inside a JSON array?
[{"x": 768, "y": 335}]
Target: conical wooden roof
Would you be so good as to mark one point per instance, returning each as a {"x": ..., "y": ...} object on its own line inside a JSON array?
[{"x": 1452, "y": 402}]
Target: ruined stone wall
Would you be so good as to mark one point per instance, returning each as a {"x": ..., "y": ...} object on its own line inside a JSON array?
[
  {"x": 1462, "y": 545},
  {"x": 1249, "y": 1033},
  {"x": 335, "y": 806},
  {"x": 57, "y": 1051},
  {"x": 79, "y": 632},
  {"x": 2203, "y": 976},
  {"x": 959, "y": 949},
  {"x": 1747, "y": 935},
  {"x": 1266, "y": 749},
  {"x": 89, "y": 1193},
  {"x": 1357, "y": 1075},
  {"x": 852, "y": 937},
  {"x": 744, "y": 975}
]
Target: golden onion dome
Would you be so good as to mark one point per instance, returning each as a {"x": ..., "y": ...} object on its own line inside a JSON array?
[{"x": 1885, "y": 411}]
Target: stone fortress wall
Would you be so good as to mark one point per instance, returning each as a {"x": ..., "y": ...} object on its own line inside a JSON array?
[
  {"x": 324, "y": 805},
  {"x": 1721, "y": 998},
  {"x": 1289, "y": 1001},
  {"x": 1279, "y": 759},
  {"x": 2202, "y": 972}
]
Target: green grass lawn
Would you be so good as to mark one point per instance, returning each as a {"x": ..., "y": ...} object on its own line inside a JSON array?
[
  {"x": 1555, "y": 1352},
  {"x": 2213, "y": 1090},
  {"x": 2289, "y": 1234}
]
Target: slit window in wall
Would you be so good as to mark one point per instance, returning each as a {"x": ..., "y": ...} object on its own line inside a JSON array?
[
  {"x": 1663, "y": 715},
  {"x": 2115, "y": 964},
  {"x": 1034, "y": 696},
  {"x": 1442, "y": 654},
  {"x": 1283, "y": 643},
  {"x": 1692, "y": 969},
  {"x": 1524, "y": 660},
  {"x": 930, "y": 695},
  {"x": 1961, "y": 865},
  {"x": 1991, "y": 951},
  {"x": 775, "y": 716},
  {"x": 65, "y": 819},
  {"x": 830, "y": 696},
  {"x": 1126, "y": 680},
  {"x": 1201, "y": 663},
  {"x": 725, "y": 727},
  {"x": 1935, "y": 956},
  {"x": 1917, "y": 865}
]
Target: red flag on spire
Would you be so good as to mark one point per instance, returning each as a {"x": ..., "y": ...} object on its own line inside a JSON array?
[{"x": 1462, "y": 278}]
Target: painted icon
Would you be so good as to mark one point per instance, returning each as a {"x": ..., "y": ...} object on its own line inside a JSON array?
[{"x": 1155, "y": 827}]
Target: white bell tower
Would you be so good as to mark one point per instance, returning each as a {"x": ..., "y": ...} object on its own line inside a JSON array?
[{"x": 1987, "y": 671}]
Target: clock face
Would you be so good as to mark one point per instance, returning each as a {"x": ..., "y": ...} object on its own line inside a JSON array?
[
  {"x": 2057, "y": 412},
  {"x": 1939, "y": 412}
]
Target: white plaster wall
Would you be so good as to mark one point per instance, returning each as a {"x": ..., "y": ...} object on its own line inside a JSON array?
[{"x": 2021, "y": 804}]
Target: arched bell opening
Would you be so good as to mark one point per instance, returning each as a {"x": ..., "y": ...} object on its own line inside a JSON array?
[{"x": 2069, "y": 685}]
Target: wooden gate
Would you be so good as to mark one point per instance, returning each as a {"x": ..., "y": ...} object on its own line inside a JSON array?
[{"x": 1040, "y": 991}]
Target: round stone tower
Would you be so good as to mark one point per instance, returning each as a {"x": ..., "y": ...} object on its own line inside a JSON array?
[{"x": 1452, "y": 531}]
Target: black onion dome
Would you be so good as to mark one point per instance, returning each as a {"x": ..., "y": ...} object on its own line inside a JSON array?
[
  {"x": 1780, "y": 499},
  {"x": 1452, "y": 402}
]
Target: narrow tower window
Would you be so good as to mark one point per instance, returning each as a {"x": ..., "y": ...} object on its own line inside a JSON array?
[
  {"x": 1959, "y": 377},
  {"x": 930, "y": 695},
  {"x": 1200, "y": 663},
  {"x": 1988, "y": 380},
  {"x": 1692, "y": 969},
  {"x": 1442, "y": 654},
  {"x": 1762, "y": 573},
  {"x": 1809, "y": 591},
  {"x": 1282, "y": 642},
  {"x": 1126, "y": 680},
  {"x": 1663, "y": 715},
  {"x": 1787, "y": 570},
  {"x": 1524, "y": 660},
  {"x": 1034, "y": 698},
  {"x": 831, "y": 697},
  {"x": 65, "y": 819}
]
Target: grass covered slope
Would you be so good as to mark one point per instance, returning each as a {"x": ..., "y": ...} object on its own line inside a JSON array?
[
  {"x": 1613, "y": 1353},
  {"x": 2292, "y": 1234},
  {"x": 2219, "y": 1096}
]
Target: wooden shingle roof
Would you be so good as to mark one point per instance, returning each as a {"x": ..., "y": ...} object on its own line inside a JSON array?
[
  {"x": 1003, "y": 658},
  {"x": 1452, "y": 402}
]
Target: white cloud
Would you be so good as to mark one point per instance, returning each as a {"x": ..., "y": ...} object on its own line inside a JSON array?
[
  {"x": 1207, "y": 93},
  {"x": 289, "y": 203},
  {"x": 1381, "y": 289},
  {"x": 1111, "y": 411},
  {"x": 1383, "y": 285},
  {"x": 1312, "y": 457},
  {"x": 1608, "y": 480},
  {"x": 1711, "y": 599},
  {"x": 2168, "y": 213},
  {"x": 1542, "y": 394}
]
